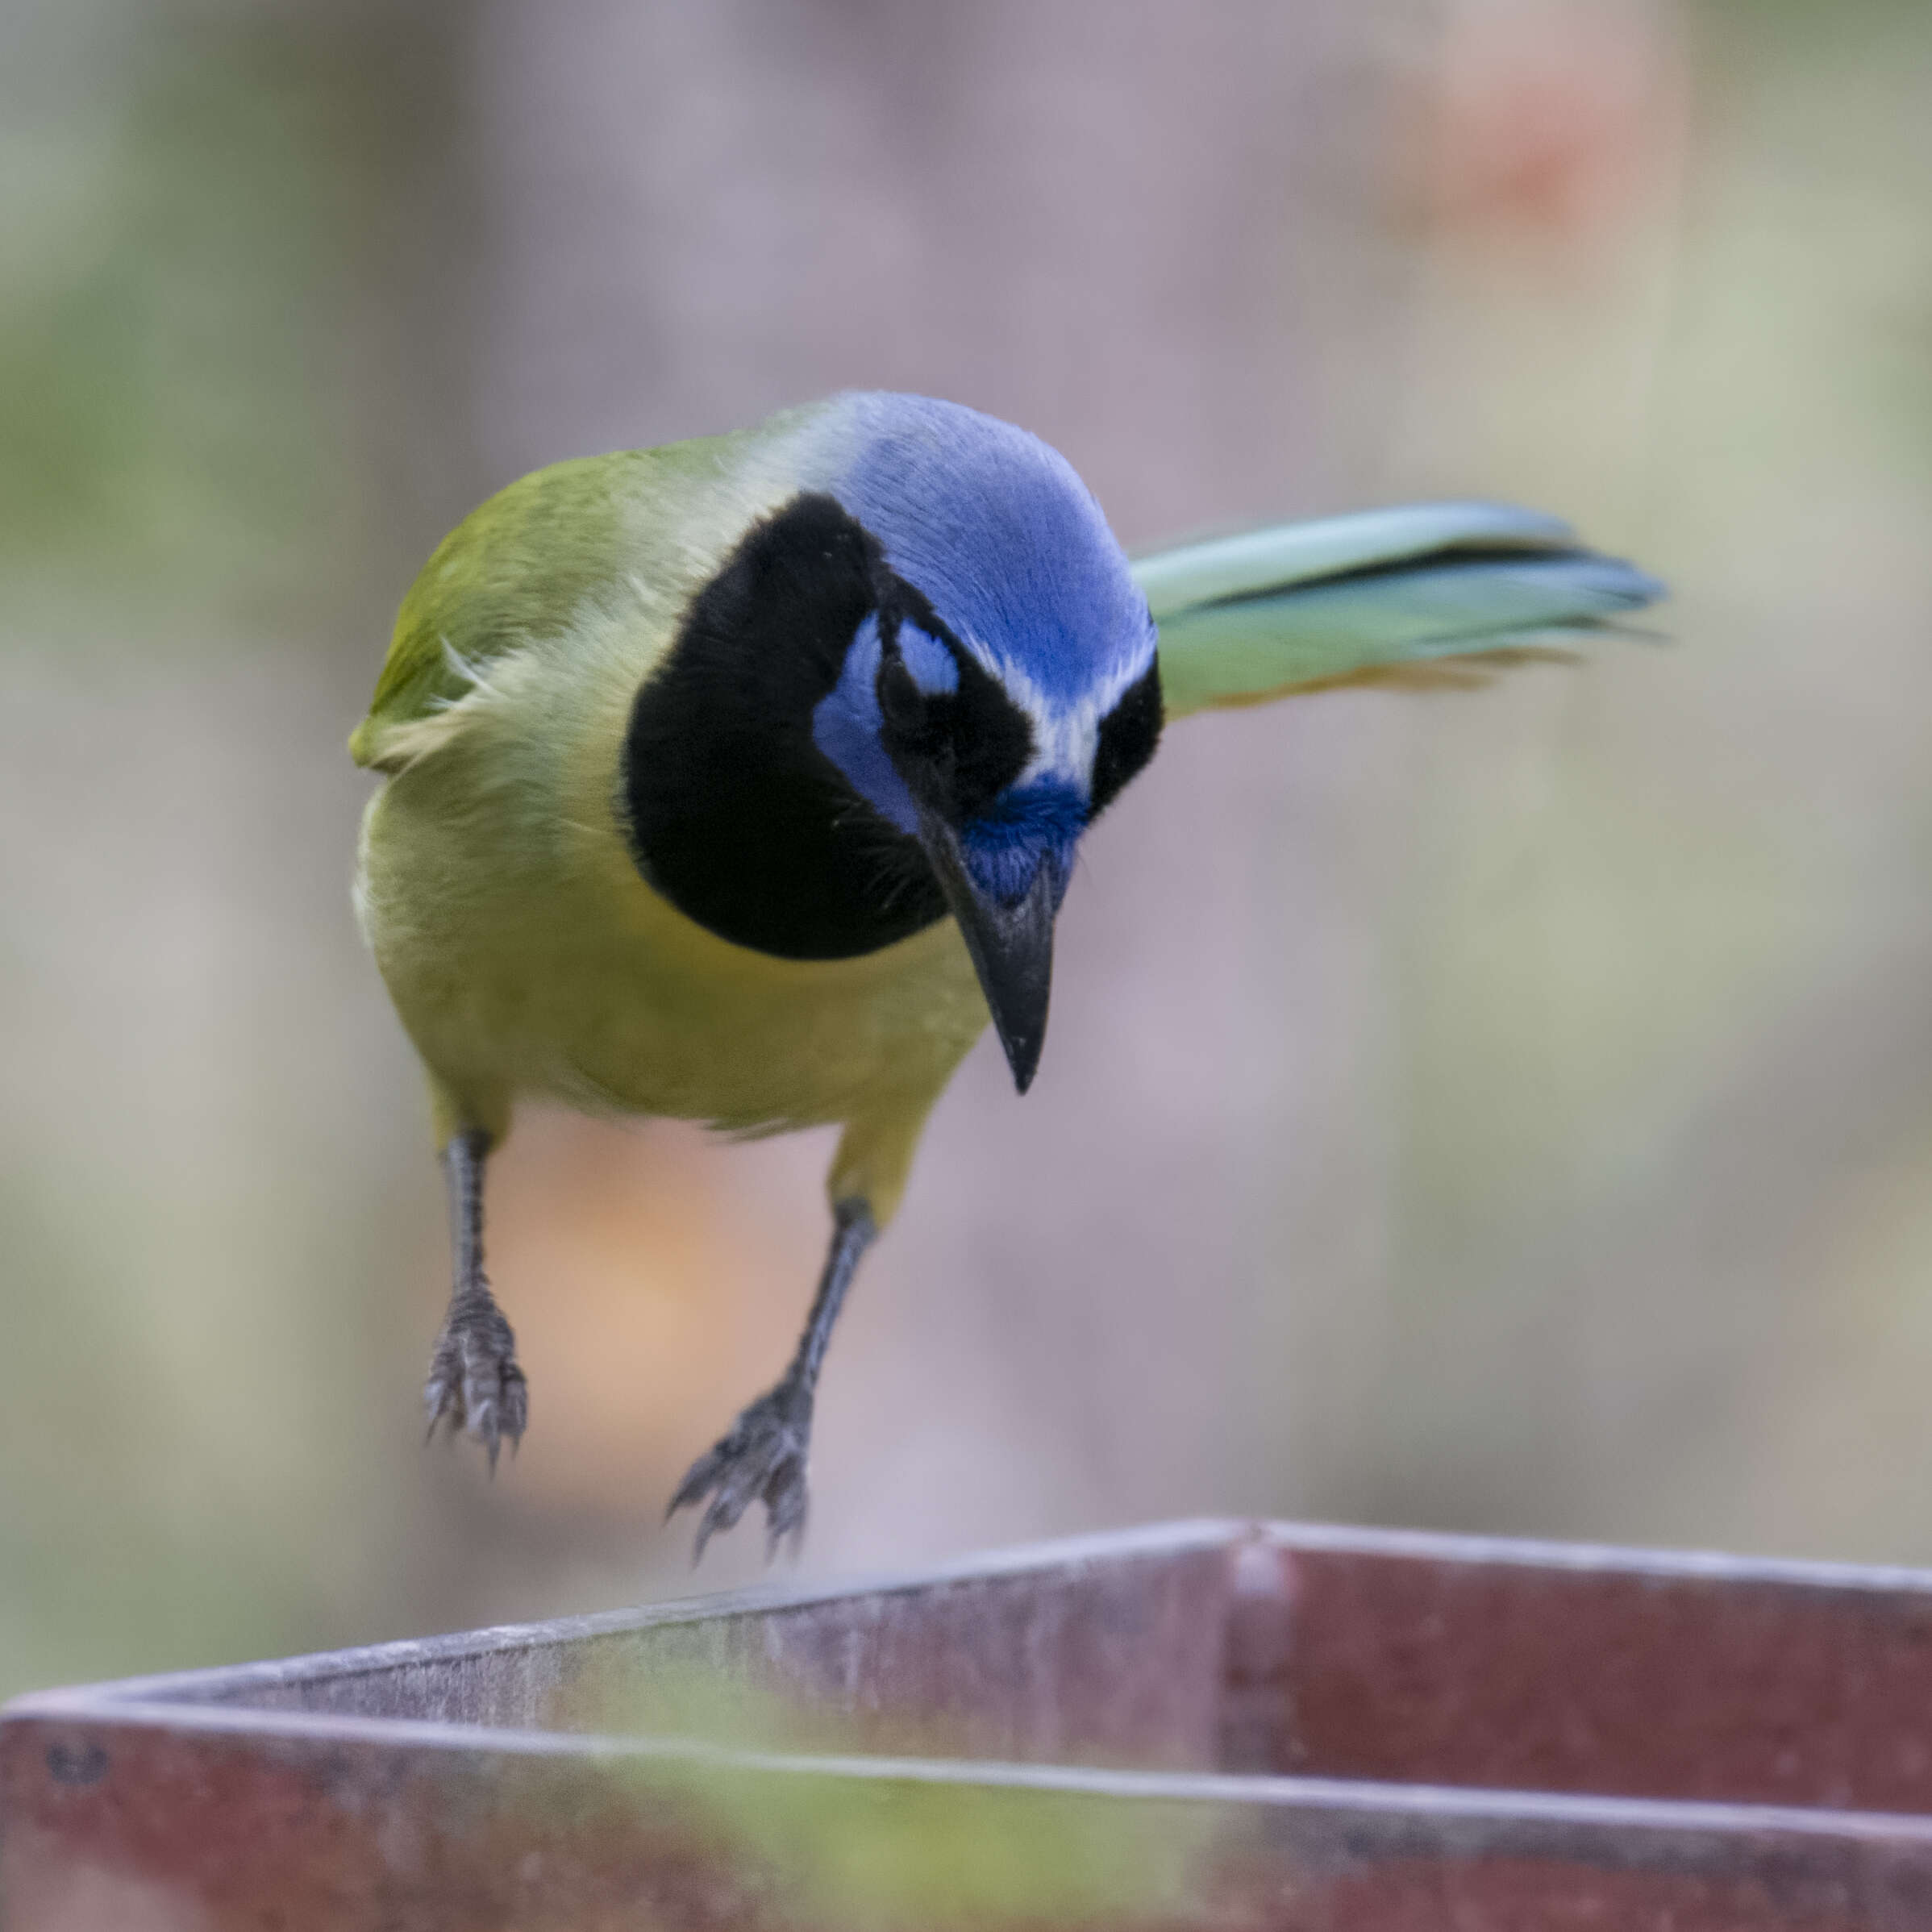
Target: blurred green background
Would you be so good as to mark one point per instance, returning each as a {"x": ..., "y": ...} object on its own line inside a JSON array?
[{"x": 1509, "y": 1111}]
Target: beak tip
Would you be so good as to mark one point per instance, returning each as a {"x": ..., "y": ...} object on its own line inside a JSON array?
[
  {"x": 1010, "y": 944},
  {"x": 1023, "y": 1057}
]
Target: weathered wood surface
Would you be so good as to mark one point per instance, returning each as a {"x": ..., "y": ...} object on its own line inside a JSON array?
[{"x": 1215, "y": 1726}]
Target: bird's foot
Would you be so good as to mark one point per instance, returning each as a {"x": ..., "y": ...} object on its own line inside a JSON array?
[
  {"x": 475, "y": 1385},
  {"x": 762, "y": 1456}
]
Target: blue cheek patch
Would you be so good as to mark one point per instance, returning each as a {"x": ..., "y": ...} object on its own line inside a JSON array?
[
  {"x": 846, "y": 726},
  {"x": 1029, "y": 827}
]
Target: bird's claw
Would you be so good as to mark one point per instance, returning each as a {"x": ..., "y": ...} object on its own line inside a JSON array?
[
  {"x": 761, "y": 1457},
  {"x": 475, "y": 1387}
]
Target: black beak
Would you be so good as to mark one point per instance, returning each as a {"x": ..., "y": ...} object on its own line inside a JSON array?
[{"x": 1012, "y": 946}]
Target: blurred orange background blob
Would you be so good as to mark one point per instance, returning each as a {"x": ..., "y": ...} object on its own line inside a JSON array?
[{"x": 1547, "y": 125}]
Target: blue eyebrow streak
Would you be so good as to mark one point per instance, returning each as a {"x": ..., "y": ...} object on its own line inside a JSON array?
[{"x": 934, "y": 669}]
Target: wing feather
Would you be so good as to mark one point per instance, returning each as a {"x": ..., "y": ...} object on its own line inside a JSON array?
[{"x": 517, "y": 567}]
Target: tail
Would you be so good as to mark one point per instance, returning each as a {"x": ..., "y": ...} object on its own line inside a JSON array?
[{"x": 1430, "y": 591}]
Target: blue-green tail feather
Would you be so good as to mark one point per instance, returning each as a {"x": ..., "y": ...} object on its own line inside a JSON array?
[{"x": 1275, "y": 610}]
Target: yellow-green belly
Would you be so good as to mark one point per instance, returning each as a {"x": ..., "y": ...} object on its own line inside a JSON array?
[{"x": 526, "y": 956}]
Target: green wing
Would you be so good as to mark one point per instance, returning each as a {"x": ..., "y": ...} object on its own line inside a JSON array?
[
  {"x": 515, "y": 568},
  {"x": 1386, "y": 593}
]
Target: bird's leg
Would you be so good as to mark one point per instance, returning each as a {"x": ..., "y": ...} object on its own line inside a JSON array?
[
  {"x": 474, "y": 1383},
  {"x": 764, "y": 1454}
]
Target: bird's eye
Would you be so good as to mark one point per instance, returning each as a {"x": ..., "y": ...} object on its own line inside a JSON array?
[
  {"x": 955, "y": 737},
  {"x": 901, "y": 703}
]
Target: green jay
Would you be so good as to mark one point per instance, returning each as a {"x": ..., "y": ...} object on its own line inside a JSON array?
[{"x": 741, "y": 781}]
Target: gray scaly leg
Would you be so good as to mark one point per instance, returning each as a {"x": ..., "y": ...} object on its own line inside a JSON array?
[
  {"x": 764, "y": 1454},
  {"x": 474, "y": 1385}
]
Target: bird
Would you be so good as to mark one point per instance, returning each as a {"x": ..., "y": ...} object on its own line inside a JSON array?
[{"x": 741, "y": 780}]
